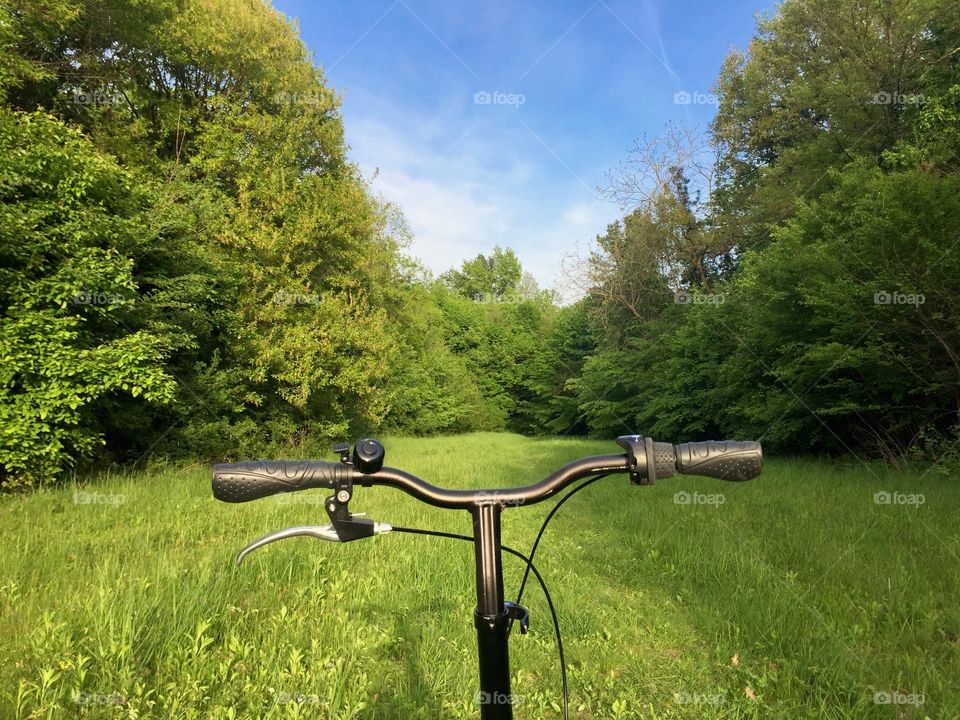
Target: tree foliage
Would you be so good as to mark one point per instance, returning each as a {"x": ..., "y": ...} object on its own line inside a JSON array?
[
  {"x": 818, "y": 309},
  {"x": 486, "y": 278},
  {"x": 192, "y": 265},
  {"x": 70, "y": 222}
]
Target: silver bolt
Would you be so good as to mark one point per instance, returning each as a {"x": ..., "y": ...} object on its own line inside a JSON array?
[{"x": 343, "y": 496}]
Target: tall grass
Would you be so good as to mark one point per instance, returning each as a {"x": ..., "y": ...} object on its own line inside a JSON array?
[{"x": 794, "y": 596}]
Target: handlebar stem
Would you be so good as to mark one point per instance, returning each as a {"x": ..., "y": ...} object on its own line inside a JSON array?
[
  {"x": 486, "y": 541},
  {"x": 491, "y": 618}
]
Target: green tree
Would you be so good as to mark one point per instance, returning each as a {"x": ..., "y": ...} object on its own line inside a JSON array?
[
  {"x": 70, "y": 334},
  {"x": 556, "y": 367},
  {"x": 820, "y": 85},
  {"x": 431, "y": 389},
  {"x": 486, "y": 278},
  {"x": 218, "y": 105},
  {"x": 841, "y": 335}
]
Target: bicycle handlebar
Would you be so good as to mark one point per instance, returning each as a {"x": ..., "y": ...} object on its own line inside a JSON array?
[{"x": 645, "y": 460}]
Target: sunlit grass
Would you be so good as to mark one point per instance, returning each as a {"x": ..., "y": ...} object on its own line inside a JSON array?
[{"x": 797, "y": 589}]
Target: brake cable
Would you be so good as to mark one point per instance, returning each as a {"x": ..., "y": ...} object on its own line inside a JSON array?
[
  {"x": 543, "y": 586},
  {"x": 546, "y": 521}
]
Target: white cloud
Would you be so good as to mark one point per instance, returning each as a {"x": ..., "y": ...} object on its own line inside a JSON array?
[
  {"x": 467, "y": 189},
  {"x": 570, "y": 234},
  {"x": 450, "y": 224}
]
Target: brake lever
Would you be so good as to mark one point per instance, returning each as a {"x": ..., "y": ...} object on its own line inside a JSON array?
[{"x": 321, "y": 532}]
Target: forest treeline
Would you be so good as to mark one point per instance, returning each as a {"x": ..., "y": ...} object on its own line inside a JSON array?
[{"x": 192, "y": 266}]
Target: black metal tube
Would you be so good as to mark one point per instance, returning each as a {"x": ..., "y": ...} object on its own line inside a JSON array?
[
  {"x": 490, "y": 617},
  {"x": 486, "y": 543},
  {"x": 494, "y": 698},
  {"x": 468, "y": 499}
]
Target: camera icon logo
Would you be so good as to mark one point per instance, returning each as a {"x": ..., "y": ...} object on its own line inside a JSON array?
[
  {"x": 482, "y": 97},
  {"x": 682, "y": 97}
]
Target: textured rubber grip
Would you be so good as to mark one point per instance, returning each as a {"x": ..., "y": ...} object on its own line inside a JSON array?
[
  {"x": 723, "y": 459},
  {"x": 245, "y": 481}
]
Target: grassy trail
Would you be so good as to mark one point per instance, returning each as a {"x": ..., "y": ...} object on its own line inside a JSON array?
[{"x": 794, "y": 596}]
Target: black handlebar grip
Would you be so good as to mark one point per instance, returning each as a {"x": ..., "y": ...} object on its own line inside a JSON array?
[
  {"x": 722, "y": 459},
  {"x": 245, "y": 481}
]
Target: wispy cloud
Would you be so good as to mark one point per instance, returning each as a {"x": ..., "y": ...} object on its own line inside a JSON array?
[
  {"x": 464, "y": 191},
  {"x": 494, "y": 124}
]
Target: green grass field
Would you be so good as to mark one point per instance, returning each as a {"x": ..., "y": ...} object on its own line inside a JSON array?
[{"x": 793, "y": 596}]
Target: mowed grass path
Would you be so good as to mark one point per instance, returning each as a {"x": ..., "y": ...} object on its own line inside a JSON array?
[{"x": 792, "y": 596}]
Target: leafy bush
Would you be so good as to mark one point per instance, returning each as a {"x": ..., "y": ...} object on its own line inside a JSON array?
[{"x": 68, "y": 216}]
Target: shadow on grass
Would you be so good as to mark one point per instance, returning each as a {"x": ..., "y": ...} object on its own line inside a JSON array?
[{"x": 413, "y": 693}]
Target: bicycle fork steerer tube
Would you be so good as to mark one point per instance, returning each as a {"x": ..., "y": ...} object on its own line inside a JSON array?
[{"x": 492, "y": 617}]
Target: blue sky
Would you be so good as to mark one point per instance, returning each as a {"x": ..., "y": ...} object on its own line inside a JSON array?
[{"x": 568, "y": 87}]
